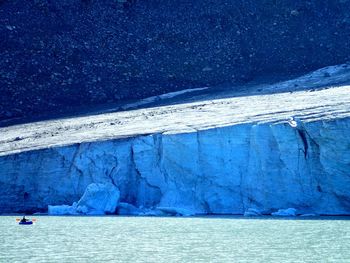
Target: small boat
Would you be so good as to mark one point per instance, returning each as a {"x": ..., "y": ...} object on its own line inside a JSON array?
[{"x": 26, "y": 223}]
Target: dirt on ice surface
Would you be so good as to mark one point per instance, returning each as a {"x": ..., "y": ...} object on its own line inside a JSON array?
[{"x": 320, "y": 95}]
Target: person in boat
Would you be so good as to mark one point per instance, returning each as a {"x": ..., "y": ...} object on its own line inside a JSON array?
[{"x": 23, "y": 220}]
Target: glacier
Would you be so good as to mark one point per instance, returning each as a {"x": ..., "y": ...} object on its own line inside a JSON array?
[{"x": 261, "y": 152}]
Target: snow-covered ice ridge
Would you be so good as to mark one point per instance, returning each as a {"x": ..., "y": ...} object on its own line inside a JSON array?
[{"x": 217, "y": 156}]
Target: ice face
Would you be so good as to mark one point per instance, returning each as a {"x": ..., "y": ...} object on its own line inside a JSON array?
[
  {"x": 98, "y": 199},
  {"x": 102, "y": 198},
  {"x": 221, "y": 170},
  {"x": 220, "y": 157}
]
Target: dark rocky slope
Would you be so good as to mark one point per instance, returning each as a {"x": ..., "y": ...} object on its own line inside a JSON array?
[{"x": 58, "y": 54}]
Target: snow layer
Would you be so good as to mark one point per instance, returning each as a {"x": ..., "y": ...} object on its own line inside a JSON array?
[{"x": 211, "y": 157}]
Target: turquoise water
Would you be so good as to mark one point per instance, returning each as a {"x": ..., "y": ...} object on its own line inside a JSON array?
[{"x": 145, "y": 239}]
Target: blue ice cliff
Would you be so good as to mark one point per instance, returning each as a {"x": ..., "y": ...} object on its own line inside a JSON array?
[{"x": 280, "y": 146}]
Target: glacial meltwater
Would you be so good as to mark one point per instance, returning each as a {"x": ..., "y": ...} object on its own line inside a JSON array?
[{"x": 175, "y": 239}]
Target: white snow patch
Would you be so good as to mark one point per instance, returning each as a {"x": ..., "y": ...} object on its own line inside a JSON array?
[
  {"x": 160, "y": 97},
  {"x": 292, "y": 122},
  {"x": 331, "y": 75}
]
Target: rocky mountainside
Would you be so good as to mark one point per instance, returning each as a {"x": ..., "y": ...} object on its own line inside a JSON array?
[{"x": 59, "y": 55}]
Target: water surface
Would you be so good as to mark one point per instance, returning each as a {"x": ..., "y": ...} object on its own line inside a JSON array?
[{"x": 145, "y": 239}]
